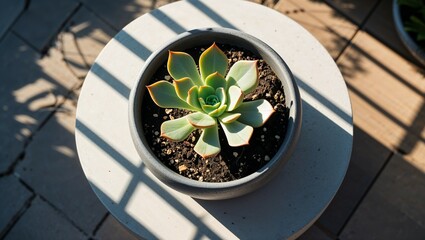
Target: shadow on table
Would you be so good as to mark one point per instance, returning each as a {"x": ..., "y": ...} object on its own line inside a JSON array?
[
  {"x": 271, "y": 208},
  {"x": 234, "y": 214}
]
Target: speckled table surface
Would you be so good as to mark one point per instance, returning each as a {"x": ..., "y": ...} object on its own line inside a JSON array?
[{"x": 286, "y": 206}]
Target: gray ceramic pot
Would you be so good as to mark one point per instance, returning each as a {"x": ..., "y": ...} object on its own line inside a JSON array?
[
  {"x": 410, "y": 44},
  {"x": 206, "y": 190}
]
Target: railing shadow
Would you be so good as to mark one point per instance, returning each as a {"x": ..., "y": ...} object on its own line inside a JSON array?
[
  {"x": 219, "y": 209},
  {"x": 227, "y": 212}
]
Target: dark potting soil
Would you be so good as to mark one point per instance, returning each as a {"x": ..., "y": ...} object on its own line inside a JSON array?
[{"x": 232, "y": 162}]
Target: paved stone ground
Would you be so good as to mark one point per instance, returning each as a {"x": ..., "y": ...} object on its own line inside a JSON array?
[{"x": 47, "y": 47}]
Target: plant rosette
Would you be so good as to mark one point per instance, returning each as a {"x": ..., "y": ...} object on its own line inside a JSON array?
[
  {"x": 213, "y": 98},
  {"x": 212, "y": 94}
]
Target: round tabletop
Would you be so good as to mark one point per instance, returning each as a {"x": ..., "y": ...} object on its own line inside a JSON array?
[{"x": 287, "y": 205}]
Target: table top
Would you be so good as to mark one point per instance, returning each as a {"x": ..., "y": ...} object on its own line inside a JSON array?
[{"x": 286, "y": 206}]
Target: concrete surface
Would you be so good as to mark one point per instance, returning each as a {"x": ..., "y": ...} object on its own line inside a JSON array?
[{"x": 380, "y": 197}]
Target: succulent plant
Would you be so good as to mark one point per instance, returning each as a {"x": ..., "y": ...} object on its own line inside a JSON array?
[{"x": 212, "y": 99}]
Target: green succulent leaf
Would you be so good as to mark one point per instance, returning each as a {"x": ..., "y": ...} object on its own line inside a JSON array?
[
  {"x": 235, "y": 98},
  {"x": 216, "y": 80},
  {"x": 176, "y": 129},
  {"x": 416, "y": 25},
  {"x": 243, "y": 74},
  {"x": 192, "y": 97},
  {"x": 201, "y": 120},
  {"x": 254, "y": 113},
  {"x": 208, "y": 144},
  {"x": 415, "y": 4},
  {"x": 221, "y": 95},
  {"x": 229, "y": 117},
  {"x": 219, "y": 111},
  {"x": 212, "y": 60},
  {"x": 206, "y": 91},
  {"x": 237, "y": 134},
  {"x": 208, "y": 108},
  {"x": 182, "y": 65},
  {"x": 165, "y": 96},
  {"x": 182, "y": 87}
]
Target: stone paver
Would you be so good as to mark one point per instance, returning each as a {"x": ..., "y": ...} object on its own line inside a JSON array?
[
  {"x": 29, "y": 88},
  {"x": 314, "y": 233},
  {"x": 14, "y": 197},
  {"x": 387, "y": 93},
  {"x": 52, "y": 169},
  {"x": 42, "y": 222},
  {"x": 111, "y": 229},
  {"x": 120, "y": 13},
  {"x": 367, "y": 158},
  {"x": 43, "y": 19},
  {"x": 394, "y": 208},
  {"x": 84, "y": 38},
  {"x": 323, "y": 22},
  {"x": 9, "y": 12},
  {"x": 355, "y": 10}
]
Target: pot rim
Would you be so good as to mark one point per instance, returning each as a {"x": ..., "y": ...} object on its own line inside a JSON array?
[{"x": 285, "y": 150}]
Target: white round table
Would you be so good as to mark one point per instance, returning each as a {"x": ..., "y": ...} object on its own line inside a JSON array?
[{"x": 286, "y": 206}]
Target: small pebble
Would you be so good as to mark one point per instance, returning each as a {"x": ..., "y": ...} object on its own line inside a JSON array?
[
  {"x": 268, "y": 95},
  {"x": 266, "y": 158},
  {"x": 168, "y": 110},
  {"x": 169, "y": 151},
  {"x": 156, "y": 133},
  {"x": 277, "y": 137},
  {"x": 264, "y": 129},
  {"x": 235, "y": 154},
  {"x": 155, "y": 115},
  {"x": 201, "y": 179},
  {"x": 167, "y": 77},
  {"x": 262, "y": 136}
]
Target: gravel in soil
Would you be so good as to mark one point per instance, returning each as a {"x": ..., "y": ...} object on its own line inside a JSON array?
[{"x": 232, "y": 162}]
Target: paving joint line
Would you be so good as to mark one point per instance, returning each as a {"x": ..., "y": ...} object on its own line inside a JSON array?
[
  {"x": 325, "y": 230},
  {"x": 18, "y": 215},
  {"x": 96, "y": 229},
  {"x": 369, "y": 188},
  {"x": 26, "y": 42},
  {"x": 360, "y": 26},
  {"x": 30, "y": 138},
  {"x": 100, "y": 17},
  {"x": 9, "y": 29},
  {"x": 51, "y": 41},
  {"x": 62, "y": 214}
]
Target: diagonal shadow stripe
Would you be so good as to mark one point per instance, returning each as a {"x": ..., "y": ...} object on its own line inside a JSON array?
[
  {"x": 139, "y": 176},
  {"x": 302, "y": 85},
  {"x": 167, "y": 21},
  {"x": 105, "y": 198},
  {"x": 213, "y": 15},
  {"x": 133, "y": 45},
  {"x": 112, "y": 81}
]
